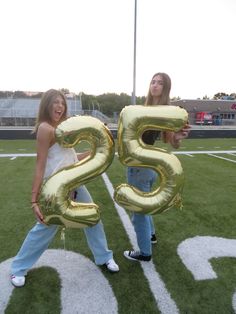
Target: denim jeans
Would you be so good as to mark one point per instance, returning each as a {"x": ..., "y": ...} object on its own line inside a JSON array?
[
  {"x": 40, "y": 236},
  {"x": 143, "y": 179}
]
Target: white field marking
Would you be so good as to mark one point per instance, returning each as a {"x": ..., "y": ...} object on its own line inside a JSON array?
[
  {"x": 232, "y": 154},
  {"x": 196, "y": 253},
  {"x": 12, "y": 158},
  {"x": 163, "y": 299},
  {"x": 194, "y": 152},
  {"x": 22, "y": 149},
  {"x": 189, "y": 155},
  {"x": 17, "y": 155},
  {"x": 200, "y": 147},
  {"x": 231, "y": 160},
  {"x": 191, "y": 152},
  {"x": 84, "y": 288}
]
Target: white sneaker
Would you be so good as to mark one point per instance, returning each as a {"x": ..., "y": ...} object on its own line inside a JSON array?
[
  {"x": 112, "y": 266},
  {"x": 18, "y": 281}
]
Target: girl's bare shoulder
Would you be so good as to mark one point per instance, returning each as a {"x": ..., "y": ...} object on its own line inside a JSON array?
[
  {"x": 45, "y": 127},
  {"x": 45, "y": 130}
]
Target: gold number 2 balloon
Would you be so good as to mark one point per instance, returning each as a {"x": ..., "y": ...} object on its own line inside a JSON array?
[
  {"x": 54, "y": 200},
  {"x": 134, "y": 120}
]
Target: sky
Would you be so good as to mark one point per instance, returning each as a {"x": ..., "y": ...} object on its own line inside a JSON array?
[{"x": 88, "y": 45}]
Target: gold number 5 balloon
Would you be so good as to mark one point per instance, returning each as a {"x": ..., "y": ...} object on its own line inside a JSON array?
[
  {"x": 134, "y": 120},
  {"x": 54, "y": 200}
]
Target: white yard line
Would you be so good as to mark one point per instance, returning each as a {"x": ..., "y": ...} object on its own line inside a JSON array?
[
  {"x": 231, "y": 160},
  {"x": 163, "y": 299},
  {"x": 190, "y": 152},
  {"x": 193, "y": 152},
  {"x": 17, "y": 155}
]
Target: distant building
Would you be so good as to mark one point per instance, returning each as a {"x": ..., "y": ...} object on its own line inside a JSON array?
[{"x": 223, "y": 112}]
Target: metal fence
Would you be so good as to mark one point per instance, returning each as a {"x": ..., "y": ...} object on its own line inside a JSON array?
[{"x": 23, "y": 111}]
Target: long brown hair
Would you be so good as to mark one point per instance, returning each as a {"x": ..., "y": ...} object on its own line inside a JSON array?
[
  {"x": 165, "y": 96},
  {"x": 45, "y": 107}
]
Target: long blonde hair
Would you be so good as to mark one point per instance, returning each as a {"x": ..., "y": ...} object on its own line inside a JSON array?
[
  {"x": 165, "y": 96},
  {"x": 45, "y": 107}
]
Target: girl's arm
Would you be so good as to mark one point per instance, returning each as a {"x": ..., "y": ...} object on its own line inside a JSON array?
[{"x": 45, "y": 137}]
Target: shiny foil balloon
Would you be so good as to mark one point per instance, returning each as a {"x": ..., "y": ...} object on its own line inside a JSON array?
[
  {"x": 54, "y": 201},
  {"x": 134, "y": 120}
]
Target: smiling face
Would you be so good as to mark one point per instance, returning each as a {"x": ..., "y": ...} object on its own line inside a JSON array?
[
  {"x": 57, "y": 110},
  {"x": 52, "y": 108}
]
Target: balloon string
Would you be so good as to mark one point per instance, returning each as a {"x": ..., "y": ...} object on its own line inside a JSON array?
[{"x": 63, "y": 237}]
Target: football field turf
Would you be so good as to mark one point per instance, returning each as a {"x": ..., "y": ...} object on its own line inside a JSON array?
[{"x": 193, "y": 269}]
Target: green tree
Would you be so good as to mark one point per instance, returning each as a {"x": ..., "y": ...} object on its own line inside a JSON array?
[
  {"x": 219, "y": 95},
  {"x": 65, "y": 90},
  {"x": 108, "y": 103}
]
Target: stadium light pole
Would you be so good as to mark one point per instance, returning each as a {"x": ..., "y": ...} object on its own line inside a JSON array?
[
  {"x": 80, "y": 100},
  {"x": 133, "y": 101}
]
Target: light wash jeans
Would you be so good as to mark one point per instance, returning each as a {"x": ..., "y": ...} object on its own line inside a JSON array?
[
  {"x": 40, "y": 236},
  {"x": 143, "y": 179}
]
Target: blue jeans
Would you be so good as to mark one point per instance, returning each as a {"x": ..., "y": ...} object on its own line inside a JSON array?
[
  {"x": 143, "y": 179},
  {"x": 40, "y": 236}
]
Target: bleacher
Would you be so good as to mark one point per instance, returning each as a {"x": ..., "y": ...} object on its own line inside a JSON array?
[{"x": 23, "y": 111}]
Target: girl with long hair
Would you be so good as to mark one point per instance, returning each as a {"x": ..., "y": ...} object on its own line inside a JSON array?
[
  {"x": 144, "y": 178},
  {"x": 51, "y": 157}
]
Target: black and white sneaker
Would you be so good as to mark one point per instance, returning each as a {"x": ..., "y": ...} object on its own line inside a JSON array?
[
  {"x": 153, "y": 239},
  {"x": 136, "y": 256}
]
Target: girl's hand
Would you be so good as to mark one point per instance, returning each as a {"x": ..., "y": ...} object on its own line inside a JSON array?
[
  {"x": 183, "y": 133},
  {"x": 37, "y": 212},
  {"x": 174, "y": 138}
]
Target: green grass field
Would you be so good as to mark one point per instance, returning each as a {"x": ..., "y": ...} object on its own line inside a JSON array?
[{"x": 209, "y": 213}]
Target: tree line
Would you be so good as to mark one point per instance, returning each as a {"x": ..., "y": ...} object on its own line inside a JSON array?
[{"x": 107, "y": 103}]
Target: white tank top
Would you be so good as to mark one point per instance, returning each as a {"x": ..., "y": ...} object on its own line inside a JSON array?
[{"x": 59, "y": 157}]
